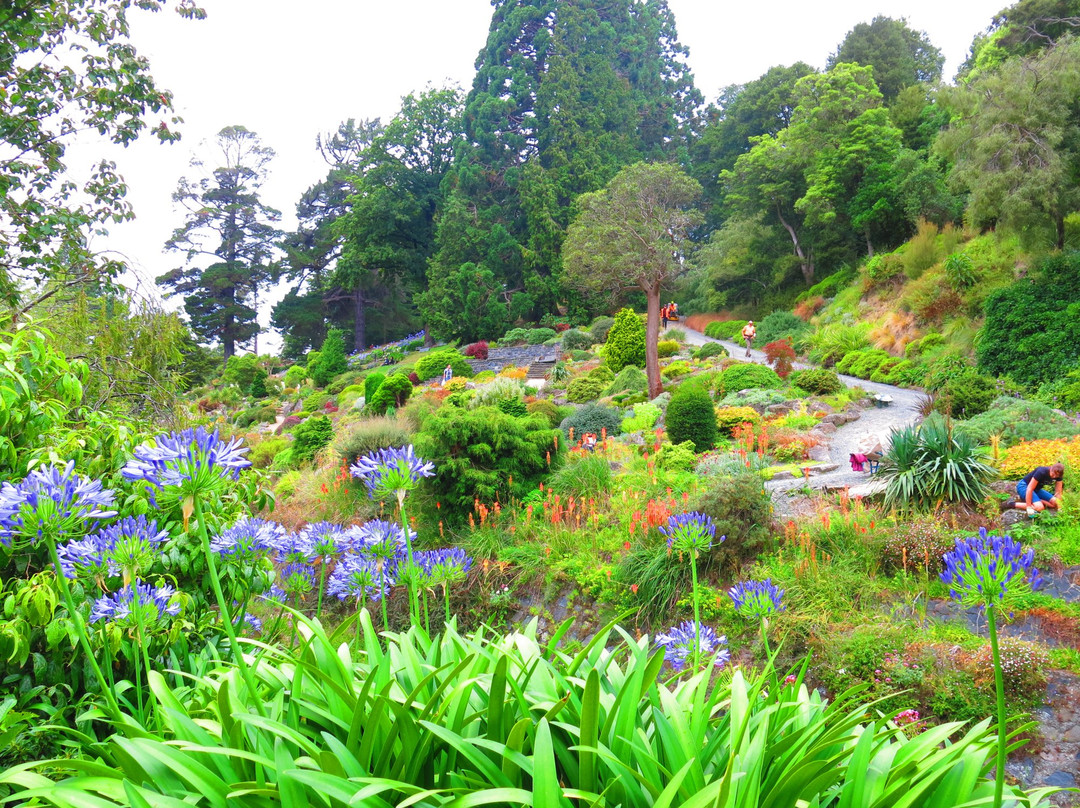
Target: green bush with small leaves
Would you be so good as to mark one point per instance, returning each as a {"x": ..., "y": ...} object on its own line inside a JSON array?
[
  {"x": 746, "y": 376},
  {"x": 576, "y": 340},
  {"x": 331, "y": 359},
  {"x": 311, "y": 436},
  {"x": 549, "y": 409},
  {"x": 599, "y": 329},
  {"x": 677, "y": 368},
  {"x": 645, "y": 416},
  {"x": 585, "y": 388},
  {"x": 628, "y": 380},
  {"x": 666, "y": 348},
  {"x": 710, "y": 349},
  {"x": 966, "y": 395},
  {"x": 316, "y": 401},
  {"x": 728, "y": 419},
  {"x": 780, "y": 325},
  {"x": 690, "y": 417},
  {"x": 593, "y": 418},
  {"x": 393, "y": 392},
  {"x": 538, "y": 336},
  {"x": 728, "y": 329},
  {"x": 625, "y": 341},
  {"x": 817, "y": 381},
  {"x": 432, "y": 365}
]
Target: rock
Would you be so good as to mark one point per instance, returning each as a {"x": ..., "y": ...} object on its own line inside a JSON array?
[
  {"x": 778, "y": 409},
  {"x": 837, "y": 419},
  {"x": 819, "y": 453},
  {"x": 825, "y": 428},
  {"x": 1060, "y": 779},
  {"x": 1013, "y": 517},
  {"x": 867, "y": 490},
  {"x": 783, "y": 475}
]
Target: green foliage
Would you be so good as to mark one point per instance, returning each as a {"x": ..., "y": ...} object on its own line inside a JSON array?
[
  {"x": 645, "y": 417},
  {"x": 677, "y": 456},
  {"x": 332, "y": 359},
  {"x": 262, "y": 453},
  {"x": 726, "y": 329},
  {"x": 829, "y": 344},
  {"x": 576, "y": 340},
  {"x": 600, "y": 328},
  {"x": 538, "y": 336},
  {"x": 372, "y": 383},
  {"x": 241, "y": 370},
  {"x": 741, "y": 509},
  {"x": 295, "y": 375},
  {"x": 921, "y": 251},
  {"x": 585, "y": 388},
  {"x": 666, "y": 348},
  {"x": 1017, "y": 419},
  {"x": 867, "y": 363},
  {"x": 816, "y": 381},
  {"x": 262, "y": 414},
  {"x": 311, "y": 436},
  {"x": 258, "y": 384},
  {"x": 593, "y": 418},
  {"x": 547, "y": 408},
  {"x": 585, "y": 475},
  {"x": 728, "y": 419},
  {"x": 933, "y": 463},
  {"x": 966, "y": 395},
  {"x": 346, "y": 380},
  {"x": 478, "y": 452},
  {"x": 368, "y": 435},
  {"x": 678, "y": 368},
  {"x": 432, "y": 364},
  {"x": 512, "y": 406},
  {"x": 316, "y": 401},
  {"x": 746, "y": 376},
  {"x": 630, "y": 379},
  {"x": 393, "y": 392},
  {"x": 710, "y": 349},
  {"x": 780, "y": 325},
  {"x": 901, "y": 56},
  {"x": 690, "y": 417},
  {"x": 960, "y": 271},
  {"x": 625, "y": 343}
]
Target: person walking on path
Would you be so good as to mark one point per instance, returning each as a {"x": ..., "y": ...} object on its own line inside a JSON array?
[
  {"x": 748, "y": 334},
  {"x": 1034, "y": 489},
  {"x": 447, "y": 375}
]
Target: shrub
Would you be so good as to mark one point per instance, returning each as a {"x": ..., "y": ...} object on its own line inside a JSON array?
[
  {"x": 829, "y": 344},
  {"x": 393, "y": 392},
  {"x": 741, "y": 509},
  {"x": 262, "y": 414},
  {"x": 369, "y": 435},
  {"x": 1023, "y": 669},
  {"x": 315, "y": 401},
  {"x": 848, "y": 362},
  {"x": 262, "y": 453},
  {"x": 725, "y": 329},
  {"x": 478, "y": 350},
  {"x": 644, "y": 417},
  {"x": 869, "y": 362},
  {"x": 677, "y": 456},
  {"x": 628, "y": 380},
  {"x": 677, "y": 368},
  {"x": 966, "y": 395},
  {"x": 343, "y": 381},
  {"x": 1016, "y": 419},
  {"x": 538, "y": 336},
  {"x": 746, "y": 376},
  {"x": 931, "y": 463},
  {"x": 295, "y": 375},
  {"x": 921, "y": 252},
  {"x": 1026, "y": 455},
  {"x": 485, "y": 454},
  {"x": 512, "y": 406},
  {"x": 926, "y": 344},
  {"x": 546, "y": 408},
  {"x": 690, "y": 417},
  {"x": 580, "y": 356},
  {"x": 432, "y": 364},
  {"x": 575, "y": 340},
  {"x": 514, "y": 336},
  {"x": 710, "y": 349},
  {"x": 781, "y": 356},
  {"x": 600, "y": 328},
  {"x": 881, "y": 268},
  {"x": 240, "y": 370},
  {"x": 258, "y": 384},
  {"x": 780, "y": 325},
  {"x": 917, "y": 544},
  {"x": 728, "y": 419},
  {"x": 960, "y": 271},
  {"x": 885, "y": 370},
  {"x": 585, "y": 388},
  {"x": 311, "y": 436},
  {"x": 666, "y": 348},
  {"x": 593, "y": 418},
  {"x": 331, "y": 359},
  {"x": 584, "y": 476},
  {"x": 289, "y": 422},
  {"x": 371, "y": 385},
  {"x": 625, "y": 341},
  {"x": 817, "y": 381}
]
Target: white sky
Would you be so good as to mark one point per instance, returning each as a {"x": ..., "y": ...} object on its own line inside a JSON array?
[{"x": 290, "y": 70}]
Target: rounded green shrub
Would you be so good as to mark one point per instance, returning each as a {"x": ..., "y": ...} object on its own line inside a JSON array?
[
  {"x": 741, "y": 510},
  {"x": 512, "y": 406},
  {"x": 311, "y": 436},
  {"x": 576, "y": 340},
  {"x": 817, "y": 381},
  {"x": 369, "y": 435},
  {"x": 593, "y": 418},
  {"x": 625, "y": 341},
  {"x": 600, "y": 328},
  {"x": 538, "y": 336},
  {"x": 728, "y": 329},
  {"x": 295, "y": 375},
  {"x": 780, "y": 325},
  {"x": 869, "y": 362},
  {"x": 690, "y": 417},
  {"x": 666, "y": 348},
  {"x": 393, "y": 392},
  {"x": 331, "y": 359},
  {"x": 548, "y": 409},
  {"x": 258, "y": 384},
  {"x": 848, "y": 361},
  {"x": 628, "y": 380},
  {"x": 585, "y": 388},
  {"x": 316, "y": 401},
  {"x": 710, "y": 349},
  {"x": 432, "y": 364},
  {"x": 372, "y": 384},
  {"x": 746, "y": 376},
  {"x": 677, "y": 368},
  {"x": 966, "y": 395}
]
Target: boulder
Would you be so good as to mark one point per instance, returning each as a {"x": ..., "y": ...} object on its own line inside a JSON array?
[{"x": 778, "y": 409}]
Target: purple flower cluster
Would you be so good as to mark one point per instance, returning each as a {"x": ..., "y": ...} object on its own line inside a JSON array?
[
  {"x": 443, "y": 567},
  {"x": 981, "y": 570},
  {"x": 391, "y": 472},
  {"x": 155, "y": 603},
  {"x": 248, "y": 539},
  {"x": 358, "y": 577},
  {"x": 756, "y": 599},
  {"x": 187, "y": 462},
  {"x": 126, "y": 547},
  {"x": 693, "y": 643},
  {"x": 690, "y": 532},
  {"x": 52, "y": 501},
  {"x": 297, "y": 580},
  {"x": 323, "y": 542}
]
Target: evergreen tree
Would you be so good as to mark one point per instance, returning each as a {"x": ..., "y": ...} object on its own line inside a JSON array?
[
  {"x": 229, "y": 224},
  {"x": 332, "y": 359},
  {"x": 900, "y": 56}
]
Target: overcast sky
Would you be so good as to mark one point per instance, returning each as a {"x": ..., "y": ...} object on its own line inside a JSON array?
[{"x": 290, "y": 70}]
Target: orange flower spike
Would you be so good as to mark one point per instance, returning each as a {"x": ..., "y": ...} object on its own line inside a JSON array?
[
  {"x": 603, "y": 433},
  {"x": 472, "y": 522},
  {"x": 633, "y": 588},
  {"x": 547, "y": 551},
  {"x": 570, "y": 432},
  {"x": 440, "y": 529},
  {"x": 626, "y": 546},
  {"x": 438, "y": 506}
]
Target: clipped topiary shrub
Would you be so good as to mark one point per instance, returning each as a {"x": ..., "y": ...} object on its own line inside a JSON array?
[
  {"x": 690, "y": 417},
  {"x": 746, "y": 376},
  {"x": 728, "y": 419},
  {"x": 869, "y": 362},
  {"x": 625, "y": 341},
  {"x": 666, "y": 348},
  {"x": 593, "y": 418},
  {"x": 817, "y": 381},
  {"x": 371, "y": 385},
  {"x": 393, "y": 392},
  {"x": 710, "y": 349},
  {"x": 727, "y": 329},
  {"x": 432, "y": 364},
  {"x": 628, "y": 380},
  {"x": 478, "y": 350},
  {"x": 311, "y": 436}
]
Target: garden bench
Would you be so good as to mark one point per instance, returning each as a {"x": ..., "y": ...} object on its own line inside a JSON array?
[{"x": 882, "y": 401}]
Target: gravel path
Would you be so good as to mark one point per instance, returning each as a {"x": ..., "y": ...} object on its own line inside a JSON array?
[{"x": 875, "y": 422}]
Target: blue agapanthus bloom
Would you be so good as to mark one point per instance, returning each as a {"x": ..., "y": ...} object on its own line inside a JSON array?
[
  {"x": 444, "y": 567},
  {"x": 379, "y": 539},
  {"x": 289, "y": 548},
  {"x": 134, "y": 543},
  {"x": 690, "y": 532},
  {"x": 90, "y": 557},
  {"x": 981, "y": 570},
  {"x": 188, "y": 462},
  {"x": 155, "y": 603},
  {"x": 392, "y": 472},
  {"x": 298, "y": 580},
  {"x": 53, "y": 501},
  {"x": 681, "y": 643},
  {"x": 248, "y": 539},
  {"x": 756, "y": 599},
  {"x": 275, "y": 595},
  {"x": 357, "y": 577},
  {"x": 323, "y": 541}
]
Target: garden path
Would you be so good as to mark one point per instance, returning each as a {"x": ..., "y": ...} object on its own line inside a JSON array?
[{"x": 876, "y": 422}]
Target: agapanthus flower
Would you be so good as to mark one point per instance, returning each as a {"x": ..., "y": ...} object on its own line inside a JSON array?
[
  {"x": 155, "y": 603},
  {"x": 681, "y": 643},
  {"x": 756, "y": 599},
  {"x": 690, "y": 532},
  {"x": 274, "y": 595},
  {"x": 90, "y": 557},
  {"x": 391, "y": 472},
  {"x": 52, "y": 501},
  {"x": 357, "y": 577},
  {"x": 981, "y": 570},
  {"x": 133, "y": 544},
  {"x": 248, "y": 539},
  {"x": 298, "y": 580},
  {"x": 187, "y": 463},
  {"x": 444, "y": 567},
  {"x": 289, "y": 548},
  {"x": 379, "y": 539},
  {"x": 323, "y": 541}
]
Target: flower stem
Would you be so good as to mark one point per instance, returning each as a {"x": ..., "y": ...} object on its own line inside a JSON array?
[
  {"x": 768, "y": 654},
  {"x": 80, "y": 629},
  {"x": 322, "y": 585},
  {"x": 141, "y": 640},
  {"x": 999, "y": 686},
  {"x": 223, "y": 607},
  {"x": 697, "y": 609},
  {"x": 382, "y": 593},
  {"x": 446, "y": 597},
  {"x": 414, "y": 604}
]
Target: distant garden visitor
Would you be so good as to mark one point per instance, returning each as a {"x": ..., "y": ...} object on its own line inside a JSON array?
[
  {"x": 1034, "y": 490},
  {"x": 748, "y": 334},
  {"x": 447, "y": 375}
]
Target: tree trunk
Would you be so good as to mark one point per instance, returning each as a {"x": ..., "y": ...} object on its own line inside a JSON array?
[
  {"x": 1059, "y": 225},
  {"x": 869, "y": 245},
  {"x": 652, "y": 335},
  {"x": 360, "y": 321},
  {"x": 806, "y": 263}
]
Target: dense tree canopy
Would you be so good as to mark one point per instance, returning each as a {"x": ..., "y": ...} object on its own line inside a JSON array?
[{"x": 900, "y": 56}]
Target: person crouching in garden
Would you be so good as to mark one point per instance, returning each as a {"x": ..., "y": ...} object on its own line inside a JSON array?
[{"x": 1035, "y": 489}]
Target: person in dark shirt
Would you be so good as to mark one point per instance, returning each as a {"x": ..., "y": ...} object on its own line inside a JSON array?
[{"x": 1041, "y": 489}]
